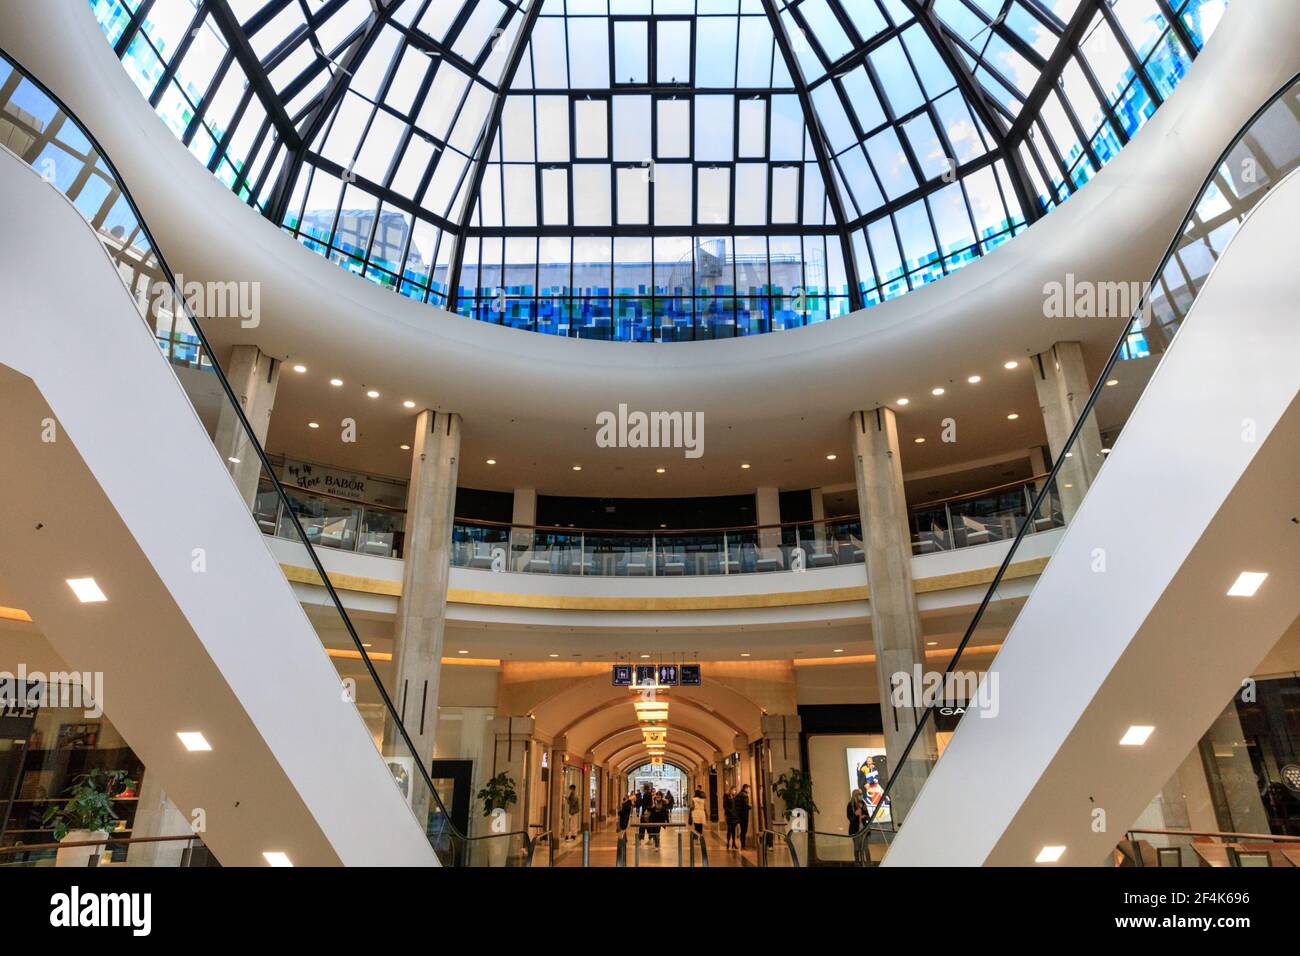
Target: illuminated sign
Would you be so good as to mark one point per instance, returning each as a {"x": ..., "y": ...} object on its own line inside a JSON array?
[
  {"x": 690, "y": 674},
  {"x": 622, "y": 675}
]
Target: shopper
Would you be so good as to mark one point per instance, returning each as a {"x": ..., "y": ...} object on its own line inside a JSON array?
[
  {"x": 740, "y": 807},
  {"x": 573, "y": 806},
  {"x": 729, "y": 816},
  {"x": 699, "y": 811},
  {"x": 857, "y": 812},
  {"x": 625, "y": 812},
  {"x": 658, "y": 814}
]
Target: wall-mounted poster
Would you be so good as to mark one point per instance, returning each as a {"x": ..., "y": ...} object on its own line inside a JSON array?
[{"x": 868, "y": 772}]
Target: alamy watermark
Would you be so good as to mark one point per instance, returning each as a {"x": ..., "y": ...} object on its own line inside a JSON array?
[
  {"x": 81, "y": 690},
  {"x": 954, "y": 692},
  {"x": 624, "y": 429},
  {"x": 211, "y": 300},
  {"x": 1084, "y": 299}
]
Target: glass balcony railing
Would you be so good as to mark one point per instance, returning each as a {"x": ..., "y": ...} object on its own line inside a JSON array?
[
  {"x": 39, "y": 130},
  {"x": 328, "y": 521},
  {"x": 1262, "y": 155}
]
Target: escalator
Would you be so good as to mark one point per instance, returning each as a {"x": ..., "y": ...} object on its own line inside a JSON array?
[
  {"x": 1182, "y": 461},
  {"x": 147, "y": 472}
]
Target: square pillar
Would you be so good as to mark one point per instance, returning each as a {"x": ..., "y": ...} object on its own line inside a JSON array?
[
  {"x": 1061, "y": 382},
  {"x": 254, "y": 377}
]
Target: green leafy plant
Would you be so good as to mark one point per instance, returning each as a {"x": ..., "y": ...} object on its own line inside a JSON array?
[
  {"x": 795, "y": 790},
  {"x": 90, "y": 802},
  {"x": 499, "y": 792}
]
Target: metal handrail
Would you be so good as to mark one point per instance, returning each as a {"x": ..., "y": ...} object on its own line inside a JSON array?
[
  {"x": 66, "y": 844},
  {"x": 235, "y": 404},
  {"x": 1222, "y": 835},
  {"x": 549, "y": 837},
  {"x": 1080, "y": 421},
  {"x": 763, "y": 842}
]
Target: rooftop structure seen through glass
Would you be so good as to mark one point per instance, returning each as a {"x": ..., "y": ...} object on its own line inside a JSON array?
[{"x": 655, "y": 170}]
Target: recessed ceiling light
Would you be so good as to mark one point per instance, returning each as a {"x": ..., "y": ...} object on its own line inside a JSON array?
[
  {"x": 577, "y": 468},
  {"x": 1068, "y": 485},
  {"x": 838, "y": 650},
  {"x": 831, "y": 457},
  {"x": 276, "y": 858},
  {"x": 404, "y": 447},
  {"x": 408, "y": 404},
  {"x": 936, "y": 391},
  {"x": 336, "y": 382},
  {"x": 974, "y": 380},
  {"x": 745, "y": 465},
  {"x": 491, "y": 461},
  {"x": 300, "y": 369},
  {"x": 462, "y": 652},
  {"x": 1113, "y": 382},
  {"x": 233, "y": 460},
  {"x": 88, "y": 592},
  {"x": 660, "y": 471},
  {"x": 1013, "y": 416},
  {"x": 312, "y": 425},
  {"x": 1105, "y": 451},
  {"x": 744, "y": 653},
  {"x": 1050, "y": 854},
  {"x": 1246, "y": 585},
  {"x": 919, "y": 440},
  {"x": 372, "y": 394},
  {"x": 1012, "y": 364},
  {"x": 645, "y": 657},
  {"x": 553, "y": 655},
  {"x": 193, "y": 740},
  {"x": 902, "y": 401},
  {"x": 931, "y": 643},
  {"x": 1135, "y": 736},
  {"x": 1069, "y": 454}
]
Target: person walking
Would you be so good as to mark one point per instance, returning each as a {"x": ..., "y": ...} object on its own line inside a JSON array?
[
  {"x": 699, "y": 811},
  {"x": 573, "y": 806},
  {"x": 658, "y": 814},
  {"x": 740, "y": 807},
  {"x": 729, "y": 816},
  {"x": 625, "y": 813}
]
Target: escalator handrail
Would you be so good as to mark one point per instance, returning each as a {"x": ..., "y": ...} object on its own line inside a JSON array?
[
  {"x": 170, "y": 277},
  {"x": 1050, "y": 482}
]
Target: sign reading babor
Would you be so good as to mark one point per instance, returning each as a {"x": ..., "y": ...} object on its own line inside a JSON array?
[{"x": 342, "y": 484}]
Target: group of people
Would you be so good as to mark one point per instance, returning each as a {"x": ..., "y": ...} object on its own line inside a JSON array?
[
  {"x": 654, "y": 808},
  {"x": 735, "y": 807}
]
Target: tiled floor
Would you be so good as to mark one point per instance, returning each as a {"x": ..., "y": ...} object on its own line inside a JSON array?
[{"x": 604, "y": 845}]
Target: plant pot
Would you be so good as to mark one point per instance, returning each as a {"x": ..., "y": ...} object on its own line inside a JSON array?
[
  {"x": 79, "y": 855},
  {"x": 799, "y": 840},
  {"x": 499, "y": 842}
]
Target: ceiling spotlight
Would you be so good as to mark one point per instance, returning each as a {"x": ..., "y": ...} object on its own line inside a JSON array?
[
  {"x": 660, "y": 471},
  {"x": 831, "y": 457},
  {"x": 554, "y": 655},
  {"x": 194, "y": 741},
  {"x": 974, "y": 380},
  {"x": 336, "y": 382},
  {"x": 408, "y": 404},
  {"x": 233, "y": 460},
  {"x": 404, "y": 447},
  {"x": 577, "y": 468},
  {"x": 372, "y": 394},
  {"x": 1135, "y": 736},
  {"x": 300, "y": 369},
  {"x": 1246, "y": 585},
  {"x": 1105, "y": 451},
  {"x": 838, "y": 650},
  {"x": 645, "y": 657},
  {"x": 902, "y": 401},
  {"x": 1012, "y": 364},
  {"x": 276, "y": 858},
  {"x": 462, "y": 652},
  {"x": 1112, "y": 382},
  {"x": 491, "y": 461},
  {"x": 936, "y": 391},
  {"x": 744, "y": 465},
  {"x": 88, "y": 592},
  {"x": 1013, "y": 416},
  {"x": 919, "y": 440},
  {"x": 313, "y": 425},
  {"x": 931, "y": 643},
  {"x": 744, "y": 653},
  {"x": 1050, "y": 854}
]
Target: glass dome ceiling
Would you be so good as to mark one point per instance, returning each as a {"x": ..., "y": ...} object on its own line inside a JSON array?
[{"x": 655, "y": 170}]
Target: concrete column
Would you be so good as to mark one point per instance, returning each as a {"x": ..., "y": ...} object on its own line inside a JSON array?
[
  {"x": 767, "y": 510},
  {"x": 523, "y": 515},
  {"x": 1061, "y": 381},
  {"x": 253, "y": 377},
  {"x": 556, "y": 788},
  {"x": 589, "y": 772},
  {"x": 156, "y": 816},
  {"x": 720, "y": 768},
  {"x": 895, "y": 622},
  {"x": 512, "y": 755},
  {"x": 819, "y": 516},
  {"x": 781, "y": 737},
  {"x": 745, "y": 775},
  {"x": 417, "y": 659}
]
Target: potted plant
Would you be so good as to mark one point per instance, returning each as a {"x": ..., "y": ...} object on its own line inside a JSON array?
[
  {"x": 795, "y": 790},
  {"x": 497, "y": 797},
  {"x": 88, "y": 814}
]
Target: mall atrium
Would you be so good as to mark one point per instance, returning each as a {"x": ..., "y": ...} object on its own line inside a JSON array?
[{"x": 650, "y": 433}]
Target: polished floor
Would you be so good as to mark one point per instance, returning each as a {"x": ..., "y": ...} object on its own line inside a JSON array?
[{"x": 671, "y": 851}]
